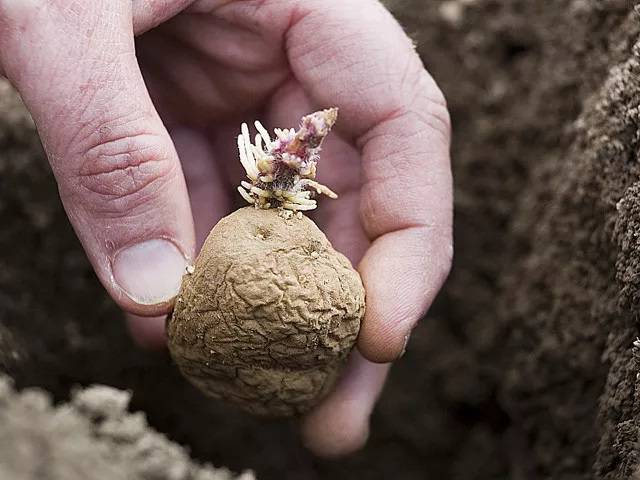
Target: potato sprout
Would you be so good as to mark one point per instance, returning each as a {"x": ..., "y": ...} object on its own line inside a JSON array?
[{"x": 282, "y": 170}]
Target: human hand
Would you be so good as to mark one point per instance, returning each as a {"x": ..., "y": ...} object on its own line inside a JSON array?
[{"x": 209, "y": 65}]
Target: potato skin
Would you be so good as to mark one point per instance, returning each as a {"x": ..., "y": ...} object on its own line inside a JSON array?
[{"x": 269, "y": 315}]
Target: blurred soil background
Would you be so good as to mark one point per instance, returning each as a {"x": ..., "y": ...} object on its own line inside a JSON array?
[{"x": 526, "y": 367}]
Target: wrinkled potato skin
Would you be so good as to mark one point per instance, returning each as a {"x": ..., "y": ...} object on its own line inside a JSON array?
[{"x": 269, "y": 315}]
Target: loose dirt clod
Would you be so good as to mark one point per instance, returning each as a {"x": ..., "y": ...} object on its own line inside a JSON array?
[
  {"x": 271, "y": 310},
  {"x": 92, "y": 437}
]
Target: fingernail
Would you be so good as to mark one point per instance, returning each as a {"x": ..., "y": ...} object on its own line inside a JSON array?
[{"x": 150, "y": 272}]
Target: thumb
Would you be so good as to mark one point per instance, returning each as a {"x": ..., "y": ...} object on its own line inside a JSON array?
[{"x": 117, "y": 170}]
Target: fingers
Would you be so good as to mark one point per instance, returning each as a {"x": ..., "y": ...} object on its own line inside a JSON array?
[
  {"x": 406, "y": 209},
  {"x": 355, "y": 55},
  {"x": 117, "y": 170},
  {"x": 340, "y": 424}
]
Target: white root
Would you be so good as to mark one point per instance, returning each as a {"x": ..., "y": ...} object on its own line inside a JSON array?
[
  {"x": 297, "y": 207},
  {"x": 246, "y": 195},
  {"x": 304, "y": 194},
  {"x": 248, "y": 146},
  {"x": 260, "y": 192},
  {"x": 318, "y": 187},
  {"x": 264, "y": 134},
  {"x": 299, "y": 199},
  {"x": 249, "y": 167}
]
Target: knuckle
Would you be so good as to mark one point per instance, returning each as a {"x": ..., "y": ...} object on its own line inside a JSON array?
[
  {"x": 122, "y": 173},
  {"x": 429, "y": 106},
  {"x": 422, "y": 97}
]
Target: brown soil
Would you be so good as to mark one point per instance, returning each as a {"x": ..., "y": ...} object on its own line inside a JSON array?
[{"x": 526, "y": 367}]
